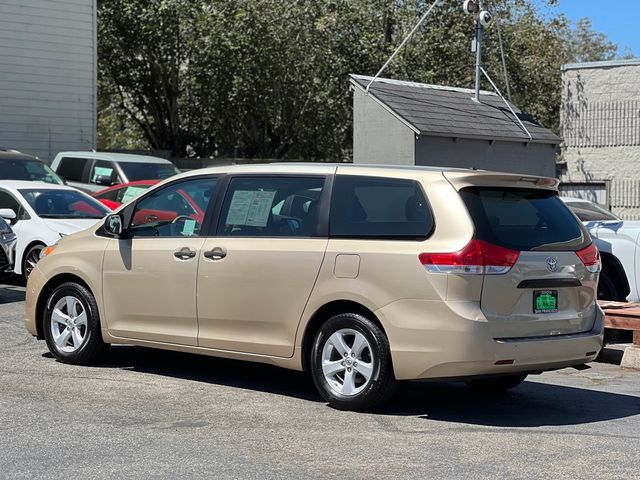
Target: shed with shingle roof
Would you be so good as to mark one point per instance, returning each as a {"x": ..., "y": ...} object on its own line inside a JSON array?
[{"x": 408, "y": 123}]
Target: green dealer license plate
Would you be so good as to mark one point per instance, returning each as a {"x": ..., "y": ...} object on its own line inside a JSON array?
[{"x": 545, "y": 301}]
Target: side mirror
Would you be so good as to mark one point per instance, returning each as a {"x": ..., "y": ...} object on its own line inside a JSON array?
[
  {"x": 8, "y": 214},
  {"x": 104, "y": 180},
  {"x": 113, "y": 224}
]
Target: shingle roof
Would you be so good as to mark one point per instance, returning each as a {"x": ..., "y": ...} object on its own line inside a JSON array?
[{"x": 451, "y": 112}]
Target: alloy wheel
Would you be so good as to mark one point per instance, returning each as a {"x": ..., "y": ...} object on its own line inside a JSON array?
[
  {"x": 69, "y": 324},
  {"x": 347, "y": 362},
  {"x": 33, "y": 257}
]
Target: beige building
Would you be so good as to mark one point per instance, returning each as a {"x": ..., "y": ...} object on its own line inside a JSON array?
[{"x": 600, "y": 122}]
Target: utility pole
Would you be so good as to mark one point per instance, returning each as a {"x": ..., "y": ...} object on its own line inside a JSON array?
[
  {"x": 481, "y": 18},
  {"x": 478, "y": 45}
]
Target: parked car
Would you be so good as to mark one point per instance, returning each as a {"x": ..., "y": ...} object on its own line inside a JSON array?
[
  {"x": 7, "y": 245},
  {"x": 40, "y": 214},
  {"x": 114, "y": 197},
  {"x": 362, "y": 276},
  {"x": 618, "y": 242},
  {"x": 18, "y": 166},
  {"x": 92, "y": 171}
]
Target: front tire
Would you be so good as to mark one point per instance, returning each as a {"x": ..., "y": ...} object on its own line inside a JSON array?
[
  {"x": 72, "y": 325},
  {"x": 351, "y": 363},
  {"x": 497, "y": 384},
  {"x": 31, "y": 258}
]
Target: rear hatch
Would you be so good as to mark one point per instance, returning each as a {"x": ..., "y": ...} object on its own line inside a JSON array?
[{"x": 540, "y": 276}]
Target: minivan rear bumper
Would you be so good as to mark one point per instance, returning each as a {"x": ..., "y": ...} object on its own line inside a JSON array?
[{"x": 435, "y": 339}]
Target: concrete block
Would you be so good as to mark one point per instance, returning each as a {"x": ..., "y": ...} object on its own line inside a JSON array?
[{"x": 631, "y": 358}]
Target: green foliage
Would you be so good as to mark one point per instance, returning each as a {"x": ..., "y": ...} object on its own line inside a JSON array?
[{"x": 268, "y": 78}]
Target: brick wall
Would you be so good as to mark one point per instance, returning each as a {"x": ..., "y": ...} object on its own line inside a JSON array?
[{"x": 600, "y": 121}]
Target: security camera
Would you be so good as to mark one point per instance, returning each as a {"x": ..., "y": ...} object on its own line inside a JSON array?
[
  {"x": 470, "y": 7},
  {"x": 485, "y": 18}
]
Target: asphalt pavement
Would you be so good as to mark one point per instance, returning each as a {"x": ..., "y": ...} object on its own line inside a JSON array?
[{"x": 145, "y": 413}]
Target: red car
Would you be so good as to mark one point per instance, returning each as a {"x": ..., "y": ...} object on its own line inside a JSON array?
[
  {"x": 182, "y": 204},
  {"x": 115, "y": 196}
]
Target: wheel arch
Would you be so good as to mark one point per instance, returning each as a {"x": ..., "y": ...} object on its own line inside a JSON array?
[
  {"x": 323, "y": 314},
  {"x": 19, "y": 262},
  {"x": 612, "y": 267},
  {"x": 44, "y": 295}
]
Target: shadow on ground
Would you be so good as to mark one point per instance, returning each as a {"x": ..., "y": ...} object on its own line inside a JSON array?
[
  {"x": 218, "y": 371},
  {"x": 11, "y": 290},
  {"x": 532, "y": 404}
]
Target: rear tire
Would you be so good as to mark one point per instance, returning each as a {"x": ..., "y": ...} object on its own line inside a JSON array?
[
  {"x": 351, "y": 363},
  {"x": 72, "y": 325},
  {"x": 607, "y": 289},
  {"x": 497, "y": 384}
]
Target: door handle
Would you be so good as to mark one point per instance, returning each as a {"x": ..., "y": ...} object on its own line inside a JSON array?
[
  {"x": 184, "y": 253},
  {"x": 216, "y": 253}
]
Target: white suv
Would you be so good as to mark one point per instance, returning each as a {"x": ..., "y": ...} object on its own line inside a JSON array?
[{"x": 94, "y": 171}]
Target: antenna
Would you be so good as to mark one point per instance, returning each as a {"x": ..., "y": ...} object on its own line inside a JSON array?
[
  {"x": 406, "y": 39},
  {"x": 481, "y": 18}
]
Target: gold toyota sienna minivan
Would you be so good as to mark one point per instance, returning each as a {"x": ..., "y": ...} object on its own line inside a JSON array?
[{"x": 360, "y": 275}]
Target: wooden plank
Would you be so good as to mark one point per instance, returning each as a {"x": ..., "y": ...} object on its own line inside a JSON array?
[{"x": 621, "y": 322}]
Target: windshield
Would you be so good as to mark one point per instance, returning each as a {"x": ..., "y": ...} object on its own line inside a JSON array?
[
  {"x": 49, "y": 203},
  {"x": 148, "y": 171},
  {"x": 590, "y": 212},
  {"x": 523, "y": 219},
  {"x": 33, "y": 170}
]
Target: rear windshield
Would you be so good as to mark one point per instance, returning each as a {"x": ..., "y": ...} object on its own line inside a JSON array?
[
  {"x": 524, "y": 219},
  {"x": 32, "y": 170},
  {"x": 590, "y": 212},
  {"x": 148, "y": 171}
]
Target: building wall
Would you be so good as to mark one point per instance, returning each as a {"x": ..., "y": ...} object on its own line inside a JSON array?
[
  {"x": 47, "y": 75},
  {"x": 600, "y": 119},
  {"x": 378, "y": 136},
  {"x": 516, "y": 157}
]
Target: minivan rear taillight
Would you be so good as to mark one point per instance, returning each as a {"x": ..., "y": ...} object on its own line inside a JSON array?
[
  {"x": 478, "y": 257},
  {"x": 590, "y": 256}
]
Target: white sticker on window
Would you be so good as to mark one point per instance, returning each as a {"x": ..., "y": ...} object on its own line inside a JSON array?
[
  {"x": 132, "y": 192},
  {"x": 101, "y": 172},
  {"x": 189, "y": 228},
  {"x": 251, "y": 208}
]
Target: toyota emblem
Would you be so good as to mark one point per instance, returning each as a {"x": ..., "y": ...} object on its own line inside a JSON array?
[{"x": 552, "y": 264}]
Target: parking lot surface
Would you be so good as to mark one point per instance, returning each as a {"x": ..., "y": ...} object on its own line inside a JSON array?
[{"x": 146, "y": 413}]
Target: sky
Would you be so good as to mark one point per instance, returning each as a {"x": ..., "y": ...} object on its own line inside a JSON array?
[{"x": 617, "y": 19}]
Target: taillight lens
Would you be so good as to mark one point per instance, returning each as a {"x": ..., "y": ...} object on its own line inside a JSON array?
[
  {"x": 590, "y": 257},
  {"x": 478, "y": 257}
]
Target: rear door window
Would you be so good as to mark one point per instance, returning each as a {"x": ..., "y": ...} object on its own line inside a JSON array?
[
  {"x": 523, "y": 219},
  {"x": 103, "y": 173},
  {"x": 373, "y": 207},
  {"x": 271, "y": 207},
  {"x": 71, "y": 168}
]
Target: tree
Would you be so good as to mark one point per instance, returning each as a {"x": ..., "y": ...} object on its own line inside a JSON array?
[
  {"x": 268, "y": 78},
  {"x": 585, "y": 45}
]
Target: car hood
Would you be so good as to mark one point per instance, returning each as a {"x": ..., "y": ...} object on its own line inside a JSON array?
[{"x": 69, "y": 226}]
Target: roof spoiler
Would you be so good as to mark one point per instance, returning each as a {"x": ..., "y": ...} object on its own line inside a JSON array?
[{"x": 460, "y": 180}]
